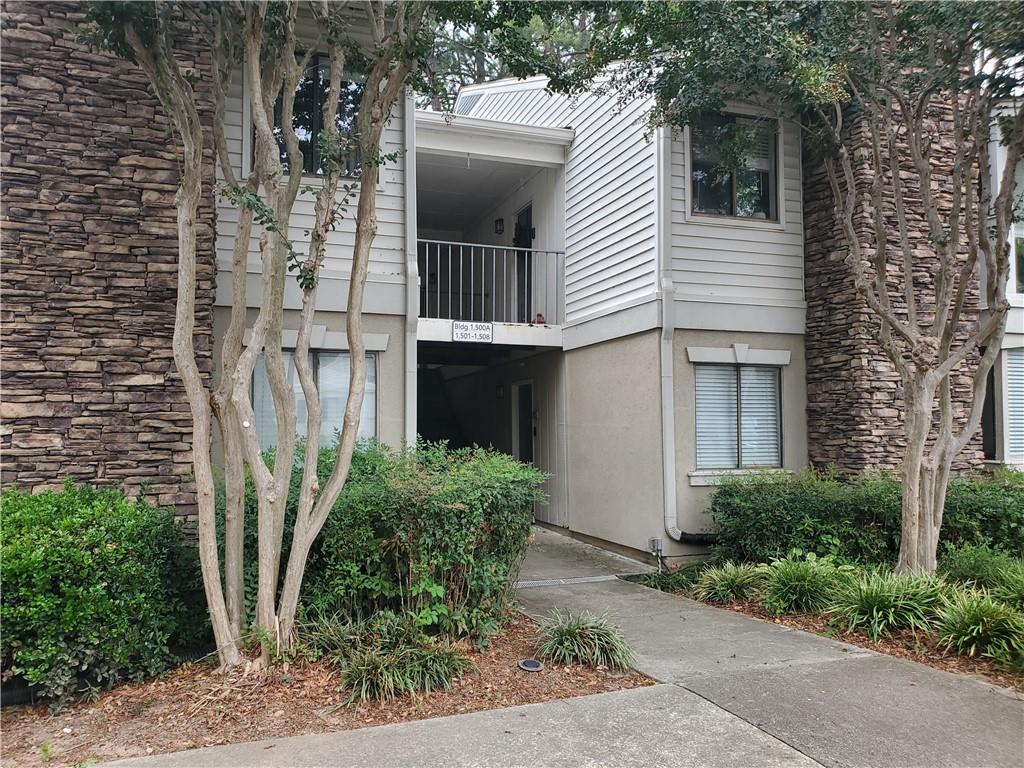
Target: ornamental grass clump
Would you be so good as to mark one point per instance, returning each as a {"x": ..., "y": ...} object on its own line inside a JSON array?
[
  {"x": 801, "y": 584},
  {"x": 973, "y": 622},
  {"x": 730, "y": 581},
  {"x": 383, "y": 657},
  {"x": 879, "y": 602},
  {"x": 583, "y": 639}
]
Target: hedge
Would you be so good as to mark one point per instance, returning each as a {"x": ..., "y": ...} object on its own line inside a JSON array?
[
  {"x": 764, "y": 516},
  {"x": 427, "y": 530},
  {"x": 97, "y": 588}
]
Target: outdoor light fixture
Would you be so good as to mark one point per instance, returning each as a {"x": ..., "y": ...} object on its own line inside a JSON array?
[{"x": 499, "y": 226}]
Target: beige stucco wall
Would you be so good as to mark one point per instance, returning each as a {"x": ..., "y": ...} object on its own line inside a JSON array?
[
  {"x": 483, "y": 404},
  {"x": 692, "y": 501},
  {"x": 390, "y": 362},
  {"x": 614, "y": 440}
]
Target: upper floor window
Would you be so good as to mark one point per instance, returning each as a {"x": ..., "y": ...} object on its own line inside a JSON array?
[
  {"x": 734, "y": 167},
  {"x": 739, "y": 416},
  {"x": 308, "y": 115}
]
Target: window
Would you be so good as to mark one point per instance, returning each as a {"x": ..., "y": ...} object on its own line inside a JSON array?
[
  {"x": 308, "y": 116},
  {"x": 332, "y": 373},
  {"x": 746, "y": 187},
  {"x": 738, "y": 416}
]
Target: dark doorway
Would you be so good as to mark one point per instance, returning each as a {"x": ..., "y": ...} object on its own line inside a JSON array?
[
  {"x": 523, "y": 238},
  {"x": 524, "y": 421}
]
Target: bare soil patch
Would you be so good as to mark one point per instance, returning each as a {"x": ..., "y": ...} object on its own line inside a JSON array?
[
  {"x": 905, "y": 644},
  {"x": 194, "y": 706}
]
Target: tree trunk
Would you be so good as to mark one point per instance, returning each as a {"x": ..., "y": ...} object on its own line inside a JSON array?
[{"x": 914, "y": 500}]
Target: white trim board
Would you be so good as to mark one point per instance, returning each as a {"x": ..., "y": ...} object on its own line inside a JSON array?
[
  {"x": 321, "y": 338},
  {"x": 738, "y": 354}
]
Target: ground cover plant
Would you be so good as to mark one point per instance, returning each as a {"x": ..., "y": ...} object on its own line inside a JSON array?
[
  {"x": 583, "y": 639},
  {"x": 728, "y": 581},
  {"x": 879, "y": 601},
  {"x": 98, "y": 588},
  {"x": 802, "y": 584},
  {"x": 973, "y": 622}
]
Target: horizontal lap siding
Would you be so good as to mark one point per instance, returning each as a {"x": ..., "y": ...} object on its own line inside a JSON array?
[
  {"x": 387, "y": 258},
  {"x": 740, "y": 263},
  {"x": 609, "y": 193}
]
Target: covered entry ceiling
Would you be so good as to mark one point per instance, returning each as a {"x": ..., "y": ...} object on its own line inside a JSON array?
[{"x": 455, "y": 192}]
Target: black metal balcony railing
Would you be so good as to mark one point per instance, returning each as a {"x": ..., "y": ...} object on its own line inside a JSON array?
[{"x": 490, "y": 283}]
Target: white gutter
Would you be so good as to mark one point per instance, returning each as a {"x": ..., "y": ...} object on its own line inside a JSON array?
[
  {"x": 412, "y": 287},
  {"x": 667, "y": 319},
  {"x": 427, "y": 120}
]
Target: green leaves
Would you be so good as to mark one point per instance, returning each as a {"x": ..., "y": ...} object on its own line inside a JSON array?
[
  {"x": 97, "y": 588},
  {"x": 583, "y": 639}
]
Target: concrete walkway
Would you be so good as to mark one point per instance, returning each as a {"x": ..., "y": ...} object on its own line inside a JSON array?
[
  {"x": 734, "y": 691},
  {"x": 838, "y": 704}
]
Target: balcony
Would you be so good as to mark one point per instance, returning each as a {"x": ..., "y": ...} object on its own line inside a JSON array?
[{"x": 516, "y": 291}]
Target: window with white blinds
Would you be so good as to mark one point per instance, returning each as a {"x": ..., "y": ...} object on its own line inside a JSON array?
[
  {"x": 1015, "y": 405},
  {"x": 738, "y": 416},
  {"x": 331, "y": 370}
]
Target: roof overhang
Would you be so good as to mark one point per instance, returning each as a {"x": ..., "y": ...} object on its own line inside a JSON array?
[{"x": 461, "y": 136}]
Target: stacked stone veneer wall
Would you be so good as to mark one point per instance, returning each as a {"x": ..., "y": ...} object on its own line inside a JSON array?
[
  {"x": 90, "y": 390},
  {"x": 854, "y": 394}
]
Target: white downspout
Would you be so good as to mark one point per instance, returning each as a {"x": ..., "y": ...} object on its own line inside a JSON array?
[
  {"x": 412, "y": 286},
  {"x": 666, "y": 318}
]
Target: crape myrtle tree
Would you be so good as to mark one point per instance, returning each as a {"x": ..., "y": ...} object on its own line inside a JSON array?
[
  {"x": 269, "y": 46},
  {"x": 880, "y": 91}
]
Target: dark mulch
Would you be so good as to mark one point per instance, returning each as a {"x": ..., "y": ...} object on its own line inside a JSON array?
[
  {"x": 905, "y": 644},
  {"x": 195, "y": 706}
]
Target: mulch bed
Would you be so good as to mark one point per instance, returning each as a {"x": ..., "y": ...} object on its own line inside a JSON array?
[
  {"x": 905, "y": 644},
  {"x": 194, "y": 706}
]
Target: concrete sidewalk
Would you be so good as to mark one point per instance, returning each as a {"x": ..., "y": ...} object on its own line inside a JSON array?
[
  {"x": 839, "y": 704},
  {"x": 734, "y": 691},
  {"x": 662, "y": 725}
]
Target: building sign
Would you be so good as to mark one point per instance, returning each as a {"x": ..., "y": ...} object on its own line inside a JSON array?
[{"x": 481, "y": 333}]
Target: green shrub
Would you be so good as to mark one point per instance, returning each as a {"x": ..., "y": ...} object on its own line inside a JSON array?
[
  {"x": 97, "y": 588},
  {"x": 979, "y": 565},
  {"x": 427, "y": 531},
  {"x": 879, "y": 601},
  {"x": 763, "y": 516},
  {"x": 583, "y": 639},
  {"x": 798, "y": 584},
  {"x": 729, "y": 581},
  {"x": 975, "y": 564},
  {"x": 1009, "y": 586},
  {"x": 974, "y": 623}
]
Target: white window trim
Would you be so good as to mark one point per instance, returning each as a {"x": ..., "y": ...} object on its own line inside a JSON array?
[
  {"x": 780, "y": 190},
  {"x": 739, "y": 354},
  {"x": 332, "y": 341},
  {"x": 702, "y": 478}
]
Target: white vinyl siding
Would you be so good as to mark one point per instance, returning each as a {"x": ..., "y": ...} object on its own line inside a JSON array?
[
  {"x": 332, "y": 370},
  {"x": 610, "y": 259},
  {"x": 740, "y": 261},
  {"x": 1015, "y": 405},
  {"x": 387, "y": 256},
  {"x": 738, "y": 416}
]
